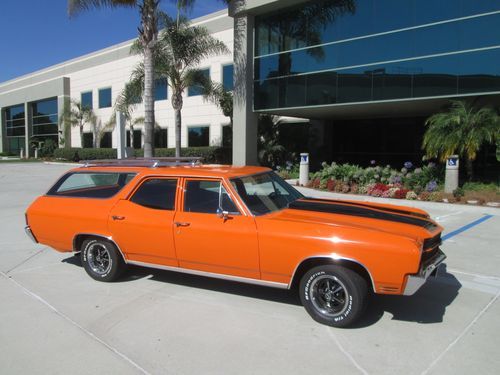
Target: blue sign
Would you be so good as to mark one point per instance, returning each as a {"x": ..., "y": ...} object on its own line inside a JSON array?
[
  {"x": 452, "y": 162},
  {"x": 304, "y": 158}
]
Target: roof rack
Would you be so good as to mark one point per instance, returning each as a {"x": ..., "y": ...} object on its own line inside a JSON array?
[{"x": 144, "y": 162}]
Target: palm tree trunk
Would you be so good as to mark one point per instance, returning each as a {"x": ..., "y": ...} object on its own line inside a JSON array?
[
  {"x": 178, "y": 127},
  {"x": 149, "y": 113},
  {"x": 81, "y": 135},
  {"x": 131, "y": 136},
  {"x": 470, "y": 169}
]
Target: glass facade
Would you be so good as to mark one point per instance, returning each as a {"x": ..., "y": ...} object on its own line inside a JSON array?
[
  {"x": 86, "y": 100},
  {"x": 198, "y": 136},
  {"x": 45, "y": 120},
  {"x": 371, "y": 50},
  {"x": 197, "y": 90},
  {"x": 15, "y": 130},
  {"x": 105, "y": 98},
  {"x": 227, "y": 77}
]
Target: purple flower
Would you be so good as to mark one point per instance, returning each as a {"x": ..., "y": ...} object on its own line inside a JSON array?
[
  {"x": 372, "y": 162},
  {"x": 431, "y": 186},
  {"x": 408, "y": 165}
]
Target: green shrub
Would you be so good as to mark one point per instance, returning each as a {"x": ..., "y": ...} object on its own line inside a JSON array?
[
  {"x": 478, "y": 186},
  {"x": 77, "y": 154},
  {"x": 48, "y": 148}
]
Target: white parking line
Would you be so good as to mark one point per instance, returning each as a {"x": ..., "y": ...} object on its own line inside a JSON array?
[
  {"x": 462, "y": 334},
  {"x": 439, "y": 218},
  {"x": 67, "y": 318}
]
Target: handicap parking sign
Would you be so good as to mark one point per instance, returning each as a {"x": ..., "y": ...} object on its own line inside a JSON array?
[{"x": 452, "y": 162}]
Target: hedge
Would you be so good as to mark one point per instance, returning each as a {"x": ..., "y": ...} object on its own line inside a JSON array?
[{"x": 209, "y": 154}]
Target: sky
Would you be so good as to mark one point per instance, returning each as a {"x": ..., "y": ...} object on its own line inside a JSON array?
[{"x": 35, "y": 34}]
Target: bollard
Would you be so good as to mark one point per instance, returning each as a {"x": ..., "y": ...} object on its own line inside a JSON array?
[
  {"x": 451, "y": 176},
  {"x": 36, "y": 152},
  {"x": 21, "y": 153},
  {"x": 304, "y": 169}
]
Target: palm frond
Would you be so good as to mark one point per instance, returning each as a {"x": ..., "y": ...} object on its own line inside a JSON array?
[{"x": 77, "y": 6}]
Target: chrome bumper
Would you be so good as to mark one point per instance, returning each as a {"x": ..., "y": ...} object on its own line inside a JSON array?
[
  {"x": 30, "y": 234},
  {"x": 414, "y": 282}
]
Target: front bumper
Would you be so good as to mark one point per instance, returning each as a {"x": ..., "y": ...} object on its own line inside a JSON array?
[
  {"x": 30, "y": 234},
  {"x": 415, "y": 282}
]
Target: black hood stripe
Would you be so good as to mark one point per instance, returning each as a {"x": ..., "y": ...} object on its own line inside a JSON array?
[
  {"x": 357, "y": 210},
  {"x": 367, "y": 205}
]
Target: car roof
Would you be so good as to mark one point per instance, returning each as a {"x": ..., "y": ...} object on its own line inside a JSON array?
[{"x": 202, "y": 170}]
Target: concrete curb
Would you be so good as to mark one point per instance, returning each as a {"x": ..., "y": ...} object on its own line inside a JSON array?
[{"x": 402, "y": 202}]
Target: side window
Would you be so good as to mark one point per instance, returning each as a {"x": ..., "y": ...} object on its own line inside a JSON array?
[
  {"x": 91, "y": 184},
  {"x": 158, "y": 194},
  {"x": 207, "y": 197}
]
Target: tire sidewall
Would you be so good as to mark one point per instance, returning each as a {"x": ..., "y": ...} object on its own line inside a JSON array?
[{"x": 354, "y": 304}]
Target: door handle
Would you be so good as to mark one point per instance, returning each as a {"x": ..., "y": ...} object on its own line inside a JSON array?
[
  {"x": 178, "y": 224},
  {"x": 114, "y": 217}
]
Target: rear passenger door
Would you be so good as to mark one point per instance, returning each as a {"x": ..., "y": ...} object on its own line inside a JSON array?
[
  {"x": 209, "y": 241},
  {"x": 142, "y": 224}
]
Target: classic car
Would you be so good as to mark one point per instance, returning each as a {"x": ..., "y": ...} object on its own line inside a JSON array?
[{"x": 243, "y": 224}]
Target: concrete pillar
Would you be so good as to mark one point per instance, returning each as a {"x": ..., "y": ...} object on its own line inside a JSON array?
[
  {"x": 63, "y": 101},
  {"x": 244, "y": 119},
  {"x": 120, "y": 135},
  {"x": 451, "y": 175}
]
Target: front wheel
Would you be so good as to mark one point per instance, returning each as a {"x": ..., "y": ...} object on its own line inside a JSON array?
[
  {"x": 101, "y": 259},
  {"x": 333, "y": 295}
]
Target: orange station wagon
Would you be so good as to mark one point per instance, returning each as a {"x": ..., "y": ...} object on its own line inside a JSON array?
[{"x": 237, "y": 223}]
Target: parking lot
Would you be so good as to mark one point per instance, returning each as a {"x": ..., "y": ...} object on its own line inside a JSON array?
[{"x": 55, "y": 319}]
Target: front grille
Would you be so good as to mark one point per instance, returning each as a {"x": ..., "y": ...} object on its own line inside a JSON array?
[
  {"x": 426, "y": 255},
  {"x": 431, "y": 243}
]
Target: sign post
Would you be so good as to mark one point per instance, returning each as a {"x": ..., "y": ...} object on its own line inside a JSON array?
[
  {"x": 451, "y": 176},
  {"x": 304, "y": 169}
]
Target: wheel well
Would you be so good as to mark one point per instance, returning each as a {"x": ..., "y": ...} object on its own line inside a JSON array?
[
  {"x": 314, "y": 262},
  {"x": 79, "y": 238}
]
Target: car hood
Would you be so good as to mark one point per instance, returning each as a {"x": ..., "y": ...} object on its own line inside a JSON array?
[{"x": 398, "y": 220}]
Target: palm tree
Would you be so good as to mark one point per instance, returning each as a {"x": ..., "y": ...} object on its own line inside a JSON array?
[
  {"x": 75, "y": 114},
  {"x": 148, "y": 33},
  {"x": 98, "y": 130},
  {"x": 180, "y": 48},
  {"x": 126, "y": 103},
  {"x": 462, "y": 130}
]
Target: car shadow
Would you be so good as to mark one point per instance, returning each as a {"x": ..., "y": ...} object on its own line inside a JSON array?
[{"x": 426, "y": 306}]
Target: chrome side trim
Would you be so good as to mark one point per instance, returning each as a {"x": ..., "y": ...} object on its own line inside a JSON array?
[
  {"x": 240, "y": 279},
  {"x": 334, "y": 258},
  {"x": 415, "y": 282},
  {"x": 30, "y": 234},
  {"x": 109, "y": 238}
]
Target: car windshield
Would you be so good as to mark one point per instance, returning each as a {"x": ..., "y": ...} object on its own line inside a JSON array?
[{"x": 264, "y": 193}]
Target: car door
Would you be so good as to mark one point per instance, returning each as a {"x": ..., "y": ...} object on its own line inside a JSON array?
[
  {"x": 142, "y": 225},
  {"x": 211, "y": 234}
]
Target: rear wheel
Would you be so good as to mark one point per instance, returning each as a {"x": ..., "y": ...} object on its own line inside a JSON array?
[
  {"x": 101, "y": 259},
  {"x": 333, "y": 295}
]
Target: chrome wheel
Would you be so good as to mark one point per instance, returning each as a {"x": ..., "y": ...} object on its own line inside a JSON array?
[
  {"x": 99, "y": 259},
  {"x": 329, "y": 295}
]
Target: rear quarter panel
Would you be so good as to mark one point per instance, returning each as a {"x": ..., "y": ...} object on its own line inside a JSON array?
[{"x": 56, "y": 220}]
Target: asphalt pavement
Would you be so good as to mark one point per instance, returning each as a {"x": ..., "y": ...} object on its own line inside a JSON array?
[{"x": 55, "y": 319}]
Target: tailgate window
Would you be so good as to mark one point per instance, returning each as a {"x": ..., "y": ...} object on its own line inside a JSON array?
[{"x": 90, "y": 184}]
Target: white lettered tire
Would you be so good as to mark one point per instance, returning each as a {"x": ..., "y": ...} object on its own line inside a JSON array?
[
  {"x": 333, "y": 295},
  {"x": 101, "y": 259}
]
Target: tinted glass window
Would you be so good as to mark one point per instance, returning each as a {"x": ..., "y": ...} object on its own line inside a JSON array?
[
  {"x": 161, "y": 138},
  {"x": 90, "y": 184},
  {"x": 227, "y": 77},
  {"x": 161, "y": 89},
  {"x": 88, "y": 140},
  {"x": 158, "y": 194},
  {"x": 106, "y": 140},
  {"x": 105, "y": 98},
  {"x": 86, "y": 100},
  {"x": 198, "y": 136},
  {"x": 207, "y": 197},
  {"x": 197, "y": 90}
]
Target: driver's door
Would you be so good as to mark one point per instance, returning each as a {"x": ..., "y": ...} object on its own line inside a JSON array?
[{"x": 206, "y": 240}]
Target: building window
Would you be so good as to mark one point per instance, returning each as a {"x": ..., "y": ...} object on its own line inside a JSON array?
[
  {"x": 137, "y": 139},
  {"x": 161, "y": 91},
  {"x": 197, "y": 89},
  {"x": 161, "y": 138},
  {"x": 227, "y": 77},
  {"x": 106, "y": 140},
  {"x": 105, "y": 98},
  {"x": 15, "y": 130},
  {"x": 88, "y": 140},
  {"x": 227, "y": 136},
  {"x": 45, "y": 120},
  {"x": 198, "y": 136},
  {"x": 86, "y": 100}
]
